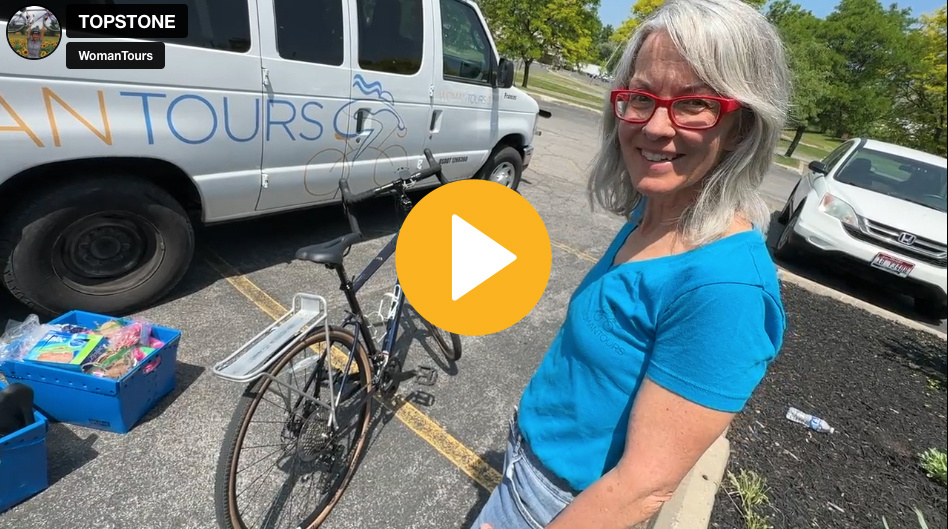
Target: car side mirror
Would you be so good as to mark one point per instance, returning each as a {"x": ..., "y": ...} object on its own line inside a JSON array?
[
  {"x": 818, "y": 167},
  {"x": 505, "y": 74}
]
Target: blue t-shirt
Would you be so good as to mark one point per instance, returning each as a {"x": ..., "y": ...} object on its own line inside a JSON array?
[{"x": 704, "y": 324}]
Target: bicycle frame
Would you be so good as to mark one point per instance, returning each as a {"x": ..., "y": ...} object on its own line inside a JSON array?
[
  {"x": 378, "y": 356},
  {"x": 263, "y": 352},
  {"x": 356, "y": 316}
]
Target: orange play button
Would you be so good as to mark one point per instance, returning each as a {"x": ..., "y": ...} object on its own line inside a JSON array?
[{"x": 473, "y": 257}]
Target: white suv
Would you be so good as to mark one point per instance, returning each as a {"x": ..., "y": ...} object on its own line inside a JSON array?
[{"x": 880, "y": 210}]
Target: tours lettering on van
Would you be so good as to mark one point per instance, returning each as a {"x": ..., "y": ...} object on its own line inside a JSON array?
[
  {"x": 294, "y": 118},
  {"x": 224, "y": 121}
]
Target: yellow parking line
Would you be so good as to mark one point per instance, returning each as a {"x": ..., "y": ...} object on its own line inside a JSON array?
[
  {"x": 569, "y": 249},
  {"x": 434, "y": 434}
]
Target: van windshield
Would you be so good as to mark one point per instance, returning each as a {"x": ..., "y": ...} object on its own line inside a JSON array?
[{"x": 904, "y": 178}]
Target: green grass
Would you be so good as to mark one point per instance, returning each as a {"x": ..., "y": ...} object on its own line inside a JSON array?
[
  {"x": 785, "y": 161},
  {"x": 751, "y": 488},
  {"x": 935, "y": 464},
  {"x": 574, "y": 83},
  {"x": 560, "y": 87},
  {"x": 808, "y": 152},
  {"x": 815, "y": 139}
]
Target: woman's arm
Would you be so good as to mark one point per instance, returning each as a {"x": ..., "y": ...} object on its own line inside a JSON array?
[{"x": 666, "y": 437}]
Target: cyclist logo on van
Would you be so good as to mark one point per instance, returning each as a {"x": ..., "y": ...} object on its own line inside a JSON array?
[
  {"x": 374, "y": 125},
  {"x": 33, "y": 32},
  {"x": 381, "y": 129}
]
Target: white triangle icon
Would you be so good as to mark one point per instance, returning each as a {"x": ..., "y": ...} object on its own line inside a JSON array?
[{"x": 475, "y": 257}]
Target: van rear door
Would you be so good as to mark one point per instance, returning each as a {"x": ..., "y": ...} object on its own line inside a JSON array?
[{"x": 306, "y": 66}]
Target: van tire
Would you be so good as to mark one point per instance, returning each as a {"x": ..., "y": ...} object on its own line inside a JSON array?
[
  {"x": 48, "y": 256},
  {"x": 504, "y": 166}
]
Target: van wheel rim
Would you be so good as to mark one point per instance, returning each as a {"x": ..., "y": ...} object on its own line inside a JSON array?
[
  {"x": 503, "y": 174},
  {"x": 107, "y": 253}
]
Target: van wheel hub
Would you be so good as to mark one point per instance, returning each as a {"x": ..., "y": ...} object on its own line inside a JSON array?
[
  {"x": 103, "y": 246},
  {"x": 503, "y": 173}
]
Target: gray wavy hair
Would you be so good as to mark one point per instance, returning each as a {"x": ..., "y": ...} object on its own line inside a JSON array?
[{"x": 735, "y": 50}]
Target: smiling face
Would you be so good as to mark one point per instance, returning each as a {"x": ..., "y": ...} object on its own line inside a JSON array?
[{"x": 663, "y": 160}]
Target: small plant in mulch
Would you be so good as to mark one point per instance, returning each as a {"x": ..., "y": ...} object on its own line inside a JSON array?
[
  {"x": 751, "y": 488},
  {"x": 934, "y": 384},
  {"x": 935, "y": 462},
  {"x": 921, "y": 520}
]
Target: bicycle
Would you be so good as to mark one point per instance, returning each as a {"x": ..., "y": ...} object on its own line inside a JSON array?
[{"x": 310, "y": 430}]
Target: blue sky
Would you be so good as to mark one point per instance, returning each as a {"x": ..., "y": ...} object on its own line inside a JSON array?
[{"x": 615, "y": 11}]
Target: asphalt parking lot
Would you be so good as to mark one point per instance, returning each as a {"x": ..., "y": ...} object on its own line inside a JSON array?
[{"x": 430, "y": 465}]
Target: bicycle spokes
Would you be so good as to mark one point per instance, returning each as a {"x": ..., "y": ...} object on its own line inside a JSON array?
[{"x": 304, "y": 422}]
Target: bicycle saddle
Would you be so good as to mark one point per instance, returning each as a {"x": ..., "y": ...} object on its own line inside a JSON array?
[{"x": 330, "y": 252}]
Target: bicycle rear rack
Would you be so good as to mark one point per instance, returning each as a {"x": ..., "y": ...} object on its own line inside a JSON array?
[{"x": 260, "y": 352}]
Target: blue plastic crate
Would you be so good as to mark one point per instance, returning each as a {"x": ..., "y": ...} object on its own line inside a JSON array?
[
  {"x": 95, "y": 402},
  {"x": 24, "y": 464}
]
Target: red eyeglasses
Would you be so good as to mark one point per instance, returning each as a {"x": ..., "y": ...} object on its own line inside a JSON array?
[{"x": 687, "y": 112}]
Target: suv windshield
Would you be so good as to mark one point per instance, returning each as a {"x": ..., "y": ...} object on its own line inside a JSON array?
[{"x": 904, "y": 178}]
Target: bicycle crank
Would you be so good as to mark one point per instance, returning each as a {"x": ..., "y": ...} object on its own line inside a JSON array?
[{"x": 390, "y": 379}]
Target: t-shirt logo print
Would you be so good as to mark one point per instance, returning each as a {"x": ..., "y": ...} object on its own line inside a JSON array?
[{"x": 603, "y": 327}]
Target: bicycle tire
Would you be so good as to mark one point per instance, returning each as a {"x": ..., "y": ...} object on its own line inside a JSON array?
[
  {"x": 451, "y": 352},
  {"x": 225, "y": 483}
]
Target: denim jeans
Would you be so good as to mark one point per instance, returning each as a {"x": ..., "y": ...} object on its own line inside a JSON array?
[{"x": 525, "y": 499}]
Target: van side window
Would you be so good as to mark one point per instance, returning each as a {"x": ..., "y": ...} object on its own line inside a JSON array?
[
  {"x": 310, "y": 31},
  {"x": 465, "y": 46},
  {"x": 391, "y": 35},
  {"x": 216, "y": 24}
]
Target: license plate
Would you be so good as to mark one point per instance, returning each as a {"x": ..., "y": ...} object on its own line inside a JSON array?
[{"x": 892, "y": 265}]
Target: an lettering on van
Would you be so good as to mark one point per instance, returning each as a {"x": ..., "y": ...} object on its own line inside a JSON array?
[
  {"x": 508, "y": 95},
  {"x": 454, "y": 159}
]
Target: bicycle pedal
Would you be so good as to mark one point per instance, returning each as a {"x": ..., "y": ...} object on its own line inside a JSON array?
[{"x": 426, "y": 376}]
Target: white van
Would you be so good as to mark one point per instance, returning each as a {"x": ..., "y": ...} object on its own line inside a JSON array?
[{"x": 261, "y": 109}]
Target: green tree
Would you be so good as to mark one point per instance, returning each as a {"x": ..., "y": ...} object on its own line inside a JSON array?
[
  {"x": 642, "y": 9},
  {"x": 870, "y": 51},
  {"x": 531, "y": 29},
  {"x": 605, "y": 47},
  {"x": 810, "y": 63},
  {"x": 920, "y": 110}
]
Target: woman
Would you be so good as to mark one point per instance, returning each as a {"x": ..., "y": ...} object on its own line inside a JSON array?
[{"x": 669, "y": 334}]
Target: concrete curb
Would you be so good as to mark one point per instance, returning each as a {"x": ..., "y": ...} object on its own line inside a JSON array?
[
  {"x": 821, "y": 290},
  {"x": 691, "y": 506}
]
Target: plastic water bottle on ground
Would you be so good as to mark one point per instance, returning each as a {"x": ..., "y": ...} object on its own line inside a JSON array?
[{"x": 810, "y": 421}]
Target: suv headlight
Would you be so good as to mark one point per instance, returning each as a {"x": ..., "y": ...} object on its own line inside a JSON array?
[{"x": 839, "y": 209}]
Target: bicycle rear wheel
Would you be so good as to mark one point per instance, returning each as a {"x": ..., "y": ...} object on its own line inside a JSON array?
[
  {"x": 301, "y": 439},
  {"x": 449, "y": 343}
]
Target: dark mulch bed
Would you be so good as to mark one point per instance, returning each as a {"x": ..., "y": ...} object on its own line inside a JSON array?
[{"x": 868, "y": 378}]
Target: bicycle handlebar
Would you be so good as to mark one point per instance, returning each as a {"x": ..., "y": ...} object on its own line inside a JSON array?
[{"x": 348, "y": 199}]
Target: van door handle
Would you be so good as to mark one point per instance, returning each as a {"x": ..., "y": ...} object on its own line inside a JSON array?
[
  {"x": 360, "y": 119},
  {"x": 435, "y": 121}
]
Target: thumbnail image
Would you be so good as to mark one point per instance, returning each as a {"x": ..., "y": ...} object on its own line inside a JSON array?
[{"x": 34, "y": 32}]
